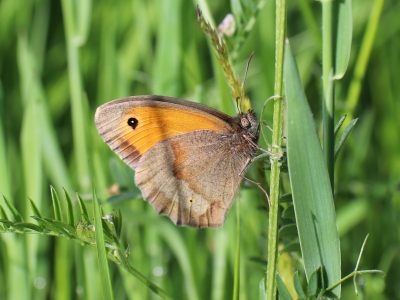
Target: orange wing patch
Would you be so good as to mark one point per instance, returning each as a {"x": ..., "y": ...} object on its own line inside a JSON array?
[
  {"x": 151, "y": 123},
  {"x": 159, "y": 123}
]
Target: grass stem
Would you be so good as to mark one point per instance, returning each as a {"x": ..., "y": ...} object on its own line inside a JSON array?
[
  {"x": 280, "y": 22},
  {"x": 363, "y": 57},
  {"x": 328, "y": 90},
  {"x": 236, "y": 278},
  {"x": 77, "y": 99}
]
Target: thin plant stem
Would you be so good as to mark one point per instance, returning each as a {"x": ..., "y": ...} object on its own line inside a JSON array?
[
  {"x": 280, "y": 21},
  {"x": 363, "y": 58},
  {"x": 77, "y": 99},
  {"x": 236, "y": 279},
  {"x": 328, "y": 90}
]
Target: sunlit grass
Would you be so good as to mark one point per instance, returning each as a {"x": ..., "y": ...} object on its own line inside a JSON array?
[{"x": 60, "y": 59}]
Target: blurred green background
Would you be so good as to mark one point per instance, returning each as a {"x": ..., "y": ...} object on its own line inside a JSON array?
[{"x": 59, "y": 60}]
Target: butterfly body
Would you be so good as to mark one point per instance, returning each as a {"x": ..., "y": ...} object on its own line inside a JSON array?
[{"x": 188, "y": 158}]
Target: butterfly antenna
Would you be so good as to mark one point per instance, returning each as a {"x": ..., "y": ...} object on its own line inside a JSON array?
[
  {"x": 237, "y": 105},
  {"x": 247, "y": 69}
]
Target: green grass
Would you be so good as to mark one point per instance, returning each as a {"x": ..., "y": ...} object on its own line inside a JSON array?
[{"x": 60, "y": 59}]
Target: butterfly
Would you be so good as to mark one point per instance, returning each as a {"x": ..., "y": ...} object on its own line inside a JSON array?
[{"x": 188, "y": 158}]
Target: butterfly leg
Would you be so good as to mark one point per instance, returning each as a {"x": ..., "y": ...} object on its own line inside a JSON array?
[
  {"x": 260, "y": 187},
  {"x": 251, "y": 161}
]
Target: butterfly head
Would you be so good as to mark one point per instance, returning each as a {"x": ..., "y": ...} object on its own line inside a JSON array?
[{"x": 248, "y": 124}]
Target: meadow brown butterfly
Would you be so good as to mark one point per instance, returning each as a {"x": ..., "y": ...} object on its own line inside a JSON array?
[{"x": 188, "y": 158}]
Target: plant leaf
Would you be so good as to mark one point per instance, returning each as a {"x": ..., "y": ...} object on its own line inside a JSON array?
[
  {"x": 311, "y": 188},
  {"x": 343, "y": 37},
  {"x": 84, "y": 211},
  {"x": 70, "y": 215},
  {"x": 313, "y": 284},
  {"x": 339, "y": 124},
  {"x": 282, "y": 289},
  {"x": 344, "y": 136},
  {"x": 101, "y": 251},
  {"x": 297, "y": 286},
  {"x": 3, "y": 214},
  {"x": 261, "y": 289},
  {"x": 16, "y": 215},
  {"x": 27, "y": 227},
  {"x": 56, "y": 204},
  {"x": 35, "y": 209}
]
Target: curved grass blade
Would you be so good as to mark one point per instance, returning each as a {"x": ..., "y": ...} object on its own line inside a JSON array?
[
  {"x": 178, "y": 248},
  {"x": 4, "y": 170},
  {"x": 298, "y": 286},
  {"x": 101, "y": 251},
  {"x": 261, "y": 289},
  {"x": 236, "y": 275},
  {"x": 363, "y": 56},
  {"x": 35, "y": 210},
  {"x": 339, "y": 124},
  {"x": 70, "y": 216},
  {"x": 219, "y": 265},
  {"x": 343, "y": 37},
  {"x": 84, "y": 212},
  {"x": 311, "y": 189},
  {"x": 282, "y": 289},
  {"x": 56, "y": 204},
  {"x": 344, "y": 136},
  {"x": 14, "y": 212}
]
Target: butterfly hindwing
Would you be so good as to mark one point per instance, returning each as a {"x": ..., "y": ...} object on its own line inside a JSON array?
[{"x": 192, "y": 178}]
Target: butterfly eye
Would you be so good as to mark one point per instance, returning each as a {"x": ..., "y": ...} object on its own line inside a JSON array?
[
  {"x": 133, "y": 122},
  {"x": 244, "y": 122}
]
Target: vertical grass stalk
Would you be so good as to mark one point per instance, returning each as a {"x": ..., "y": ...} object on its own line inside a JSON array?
[
  {"x": 280, "y": 21},
  {"x": 236, "y": 275},
  {"x": 363, "y": 57},
  {"x": 328, "y": 91},
  {"x": 77, "y": 100},
  {"x": 101, "y": 250}
]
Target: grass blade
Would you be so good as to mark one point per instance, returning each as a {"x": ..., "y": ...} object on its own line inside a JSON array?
[
  {"x": 363, "y": 56},
  {"x": 4, "y": 172},
  {"x": 70, "y": 208},
  {"x": 79, "y": 117},
  {"x": 169, "y": 41},
  {"x": 343, "y": 37},
  {"x": 56, "y": 204},
  {"x": 16, "y": 215},
  {"x": 35, "y": 210},
  {"x": 219, "y": 265},
  {"x": 282, "y": 289},
  {"x": 312, "y": 287},
  {"x": 311, "y": 189},
  {"x": 52, "y": 156},
  {"x": 298, "y": 286},
  {"x": 236, "y": 274},
  {"x": 178, "y": 247},
  {"x": 344, "y": 136},
  {"x": 84, "y": 212},
  {"x": 101, "y": 251},
  {"x": 339, "y": 124}
]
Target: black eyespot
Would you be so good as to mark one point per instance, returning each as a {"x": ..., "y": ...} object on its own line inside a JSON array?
[{"x": 133, "y": 122}]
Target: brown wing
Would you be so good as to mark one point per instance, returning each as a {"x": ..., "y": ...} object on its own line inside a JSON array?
[{"x": 192, "y": 177}]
